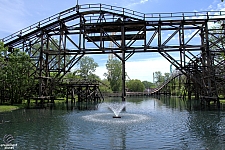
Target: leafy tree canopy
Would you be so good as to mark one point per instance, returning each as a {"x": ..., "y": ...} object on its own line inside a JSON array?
[
  {"x": 135, "y": 85},
  {"x": 14, "y": 74},
  {"x": 87, "y": 67},
  {"x": 159, "y": 78},
  {"x": 114, "y": 74},
  {"x": 148, "y": 84},
  {"x": 105, "y": 86}
]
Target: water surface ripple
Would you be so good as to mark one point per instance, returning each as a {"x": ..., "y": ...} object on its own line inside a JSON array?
[{"x": 146, "y": 123}]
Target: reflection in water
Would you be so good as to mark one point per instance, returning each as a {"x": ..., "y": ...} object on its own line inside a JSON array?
[
  {"x": 118, "y": 139},
  {"x": 178, "y": 103},
  {"x": 147, "y": 123}
]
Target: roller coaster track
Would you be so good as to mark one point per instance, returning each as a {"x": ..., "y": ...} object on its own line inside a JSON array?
[
  {"x": 74, "y": 13},
  {"x": 175, "y": 74},
  {"x": 87, "y": 29}
]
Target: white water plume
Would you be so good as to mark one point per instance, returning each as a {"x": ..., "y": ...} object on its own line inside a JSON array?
[{"x": 117, "y": 108}]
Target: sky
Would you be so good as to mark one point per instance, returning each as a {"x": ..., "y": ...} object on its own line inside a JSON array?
[{"x": 18, "y": 14}]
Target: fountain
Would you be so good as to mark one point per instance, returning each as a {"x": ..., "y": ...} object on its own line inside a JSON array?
[
  {"x": 147, "y": 121},
  {"x": 102, "y": 116},
  {"x": 117, "y": 108}
]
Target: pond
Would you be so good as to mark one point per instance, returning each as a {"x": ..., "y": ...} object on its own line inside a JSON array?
[{"x": 145, "y": 123}]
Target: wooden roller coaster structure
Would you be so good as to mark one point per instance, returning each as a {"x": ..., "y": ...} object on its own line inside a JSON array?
[{"x": 87, "y": 29}]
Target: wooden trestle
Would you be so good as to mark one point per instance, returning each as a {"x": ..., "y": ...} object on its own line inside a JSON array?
[
  {"x": 83, "y": 90},
  {"x": 88, "y": 29}
]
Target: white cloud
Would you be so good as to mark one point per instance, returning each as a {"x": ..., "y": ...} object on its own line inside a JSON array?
[
  {"x": 210, "y": 7},
  {"x": 142, "y": 70},
  {"x": 133, "y": 3},
  {"x": 143, "y": 1},
  {"x": 220, "y": 6},
  {"x": 100, "y": 71},
  {"x": 215, "y": 5}
]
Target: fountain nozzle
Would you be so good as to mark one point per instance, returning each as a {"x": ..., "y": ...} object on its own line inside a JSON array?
[{"x": 116, "y": 116}]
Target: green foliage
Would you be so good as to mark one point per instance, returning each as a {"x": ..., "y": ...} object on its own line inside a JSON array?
[
  {"x": 55, "y": 61},
  {"x": 217, "y": 44},
  {"x": 135, "y": 86},
  {"x": 148, "y": 84},
  {"x": 166, "y": 76},
  {"x": 158, "y": 78},
  {"x": 105, "y": 86},
  {"x": 87, "y": 67},
  {"x": 72, "y": 75},
  {"x": 4, "y": 108},
  {"x": 14, "y": 74},
  {"x": 173, "y": 86},
  {"x": 114, "y": 74}
]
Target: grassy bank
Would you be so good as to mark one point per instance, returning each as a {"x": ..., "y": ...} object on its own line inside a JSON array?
[
  {"x": 7, "y": 107},
  {"x": 4, "y": 108},
  {"x": 222, "y": 101}
]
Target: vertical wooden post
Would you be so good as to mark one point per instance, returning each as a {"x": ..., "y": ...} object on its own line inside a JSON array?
[
  {"x": 41, "y": 65},
  {"x": 123, "y": 64}
]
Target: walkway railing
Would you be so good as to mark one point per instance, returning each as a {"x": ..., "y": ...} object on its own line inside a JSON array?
[{"x": 119, "y": 11}]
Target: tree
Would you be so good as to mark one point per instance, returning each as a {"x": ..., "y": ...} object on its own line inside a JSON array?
[
  {"x": 166, "y": 76},
  {"x": 114, "y": 74},
  {"x": 55, "y": 60},
  {"x": 158, "y": 78},
  {"x": 87, "y": 67},
  {"x": 148, "y": 84},
  {"x": 217, "y": 42},
  {"x": 135, "y": 85},
  {"x": 105, "y": 86},
  {"x": 15, "y": 74}
]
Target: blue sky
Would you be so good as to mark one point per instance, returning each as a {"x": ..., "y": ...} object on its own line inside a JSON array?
[{"x": 18, "y": 14}]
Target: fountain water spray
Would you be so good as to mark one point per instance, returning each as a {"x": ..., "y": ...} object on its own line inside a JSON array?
[{"x": 117, "y": 108}]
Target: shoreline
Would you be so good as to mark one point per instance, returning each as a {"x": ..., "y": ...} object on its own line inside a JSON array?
[{"x": 7, "y": 108}]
